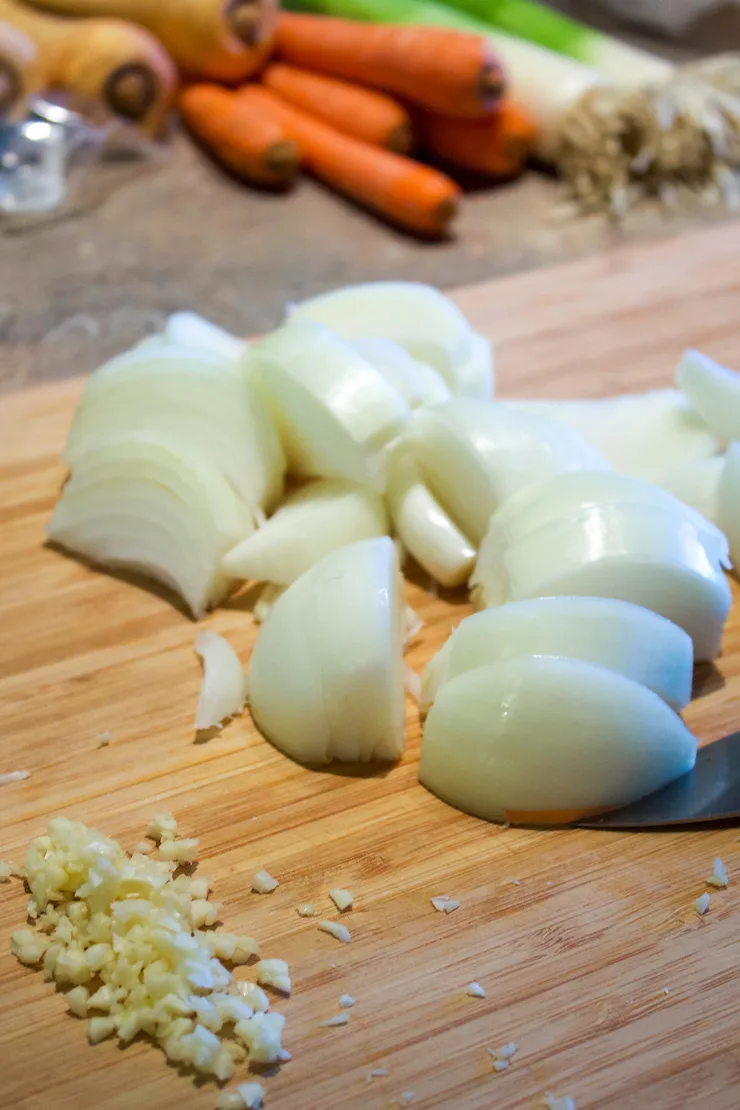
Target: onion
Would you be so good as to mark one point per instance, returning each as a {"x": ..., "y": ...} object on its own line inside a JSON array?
[
  {"x": 140, "y": 504},
  {"x": 625, "y": 638},
  {"x": 642, "y": 553},
  {"x": 713, "y": 390},
  {"x": 335, "y": 412},
  {"x": 696, "y": 485},
  {"x": 544, "y": 739},
  {"x": 418, "y": 383},
  {"x": 223, "y": 691},
  {"x": 646, "y": 435},
  {"x": 475, "y": 455},
  {"x": 326, "y": 677},
  {"x": 319, "y": 518},
  {"x": 192, "y": 401},
  {"x": 728, "y": 501},
  {"x": 186, "y": 329},
  {"x": 419, "y": 318},
  {"x": 423, "y": 526}
]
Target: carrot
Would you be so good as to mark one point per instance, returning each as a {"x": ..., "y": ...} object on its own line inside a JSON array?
[
  {"x": 414, "y": 196},
  {"x": 19, "y": 68},
  {"x": 438, "y": 68},
  {"x": 365, "y": 114},
  {"x": 247, "y": 140},
  {"x": 217, "y": 40},
  {"x": 102, "y": 59},
  {"x": 498, "y": 145}
]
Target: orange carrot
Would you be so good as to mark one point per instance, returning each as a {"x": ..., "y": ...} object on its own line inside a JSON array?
[
  {"x": 498, "y": 145},
  {"x": 365, "y": 114},
  {"x": 247, "y": 140},
  {"x": 440, "y": 69},
  {"x": 414, "y": 196}
]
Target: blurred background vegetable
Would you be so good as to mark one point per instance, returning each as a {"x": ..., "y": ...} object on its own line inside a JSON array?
[{"x": 19, "y": 70}]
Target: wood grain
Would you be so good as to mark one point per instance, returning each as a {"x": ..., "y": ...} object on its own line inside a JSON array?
[{"x": 574, "y": 934}]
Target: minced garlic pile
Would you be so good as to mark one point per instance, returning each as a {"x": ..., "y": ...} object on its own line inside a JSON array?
[{"x": 122, "y": 935}]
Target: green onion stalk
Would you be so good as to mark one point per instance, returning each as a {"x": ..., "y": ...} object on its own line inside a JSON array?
[{"x": 617, "y": 122}]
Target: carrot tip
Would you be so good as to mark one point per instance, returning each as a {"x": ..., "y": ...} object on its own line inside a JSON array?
[
  {"x": 131, "y": 90},
  {"x": 446, "y": 210},
  {"x": 491, "y": 84},
  {"x": 282, "y": 156},
  {"x": 244, "y": 20},
  {"x": 401, "y": 139}
]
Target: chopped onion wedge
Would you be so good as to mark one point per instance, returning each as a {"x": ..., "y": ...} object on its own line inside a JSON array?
[
  {"x": 475, "y": 455},
  {"x": 319, "y": 518},
  {"x": 714, "y": 392},
  {"x": 418, "y": 383},
  {"x": 645, "y": 435},
  {"x": 142, "y": 505},
  {"x": 540, "y": 739},
  {"x": 187, "y": 329},
  {"x": 335, "y": 412},
  {"x": 425, "y": 529},
  {"x": 625, "y": 638},
  {"x": 728, "y": 501},
  {"x": 696, "y": 484},
  {"x": 419, "y": 318},
  {"x": 326, "y": 676},
  {"x": 194, "y": 401},
  {"x": 648, "y": 555},
  {"x": 224, "y": 687}
]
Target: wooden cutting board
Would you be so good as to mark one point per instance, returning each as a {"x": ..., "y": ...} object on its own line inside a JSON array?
[{"x": 587, "y": 943}]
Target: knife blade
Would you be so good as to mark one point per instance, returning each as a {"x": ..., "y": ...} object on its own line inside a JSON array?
[{"x": 711, "y": 792}]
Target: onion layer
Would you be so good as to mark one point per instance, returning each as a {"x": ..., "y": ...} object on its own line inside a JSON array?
[
  {"x": 417, "y": 382},
  {"x": 187, "y": 329},
  {"x": 533, "y": 736},
  {"x": 223, "y": 691},
  {"x": 714, "y": 392},
  {"x": 728, "y": 501},
  {"x": 326, "y": 677},
  {"x": 625, "y": 638}
]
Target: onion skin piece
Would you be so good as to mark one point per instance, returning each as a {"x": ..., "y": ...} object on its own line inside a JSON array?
[
  {"x": 475, "y": 455},
  {"x": 539, "y": 734},
  {"x": 626, "y": 638},
  {"x": 326, "y": 676},
  {"x": 313, "y": 521},
  {"x": 713, "y": 391},
  {"x": 425, "y": 529},
  {"x": 223, "y": 690}
]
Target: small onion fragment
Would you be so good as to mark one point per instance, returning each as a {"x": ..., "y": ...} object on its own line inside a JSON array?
[
  {"x": 139, "y": 504},
  {"x": 335, "y": 412},
  {"x": 645, "y": 435},
  {"x": 326, "y": 675},
  {"x": 223, "y": 691},
  {"x": 425, "y": 529},
  {"x": 187, "y": 329},
  {"x": 474, "y": 455},
  {"x": 318, "y": 518},
  {"x": 540, "y": 739},
  {"x": 418, "y": 383},
  {"x": 420, "y": 319},
  {"x": 625, "y": 638},
  {"x": 714, "y": 392}
]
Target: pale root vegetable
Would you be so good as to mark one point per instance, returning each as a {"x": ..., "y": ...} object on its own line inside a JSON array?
[
  {"x": 425, "y": 529},
  {"x": 643, "y": 435},
  {"x": 625, "y": 638},
  {"x": 140, "y": 505},
  {"x": 420, "y": 319},
  {"x": 713, "y": 391},
  {"x": 20, "y": 72},
  {"x": 539, "y": 739},
  {"x": 643, "y": 553},
  {"x": 313, "y": 521},
  {"x": 336, "y": 414},
  {"x": 728, "y": 501},
  {"x": 326, "y": 675},
  {"x": 696, "y": 484},
  {"x": 474, "y": 455},
  {"x": 417, "y": 382},
  {"x": 117, "y": 63},
  {"x": 193, "y": 400},
  {"x": 223, "y": 691},
  {"x": 221, "y": 40}
]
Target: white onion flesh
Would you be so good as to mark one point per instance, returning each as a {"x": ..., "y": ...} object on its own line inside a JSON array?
[
  {"x": 326, "y": 679},
  {"x": 644, "y": 435},
  {"x": 475, "y": 455},
  {"x": 728, "y": 501},
  {"x": 537, "y": 736},
  {"x": 713, "y": 391},
  {"x": 336, "y": 413},
  {"x": 625, "y": 638},
  {"x": 417, "y": 317},
  {"x": 140, "y": 505},
  {"x": 314, "y": 520},
  {"x": 418, "y": 383},
  {"x": 648, "y": 555},
  {"x": 187, "y": 329},
  {"x": 425, "y": 529},
  {"x": 696, "y": 485},
  {"x": 194, "y": 401},
  {"x": 223, "y": 690}
]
